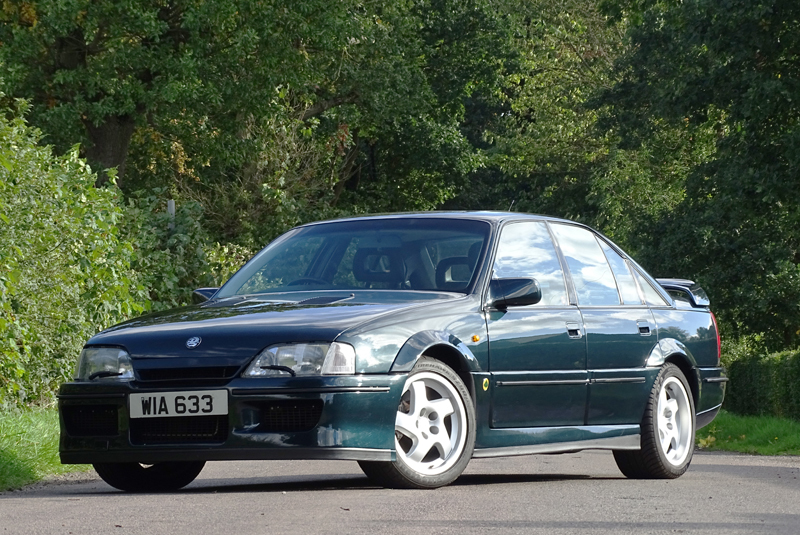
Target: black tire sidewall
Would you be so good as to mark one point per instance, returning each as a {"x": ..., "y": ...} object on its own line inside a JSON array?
[{"x": 159, "y": 477}]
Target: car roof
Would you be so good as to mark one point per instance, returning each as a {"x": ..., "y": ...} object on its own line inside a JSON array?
[{"x": 489, "y": 216}]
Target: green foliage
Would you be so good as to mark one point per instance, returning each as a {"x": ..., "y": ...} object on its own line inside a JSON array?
[
  {"x": 289, "y": 181},
  {"x": 542, "y": 148},
  {"x": 64, "y": 268},
  {"x": 765, "y": 384},
  {"x": 726, "y": 71},
  {"x": 29, "y": 448},
  {"x": 173, "y": 255},
  {"x": 95, "y": 71},
  {"x": 286, "y": 111}
]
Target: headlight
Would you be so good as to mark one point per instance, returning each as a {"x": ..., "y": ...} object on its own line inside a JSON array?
[
  {"x": 104, "y": 363},
  {"x": 304, "y": 359}
]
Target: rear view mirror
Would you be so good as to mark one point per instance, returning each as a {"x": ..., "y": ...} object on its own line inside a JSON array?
[{"x": 505, "y": 293}]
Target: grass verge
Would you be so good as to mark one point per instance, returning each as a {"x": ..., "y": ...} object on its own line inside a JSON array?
[
  {"x": 761, "y": 435},
  {"x": 29, "y": 448}
]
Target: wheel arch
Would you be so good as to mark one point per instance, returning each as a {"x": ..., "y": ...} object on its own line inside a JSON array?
[
  {"x": 675, "y": 352},
  {"x": 441, "y": 346}
]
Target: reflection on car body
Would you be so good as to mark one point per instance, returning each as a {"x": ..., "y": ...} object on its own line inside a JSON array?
[{"x": 411, "y": 344}]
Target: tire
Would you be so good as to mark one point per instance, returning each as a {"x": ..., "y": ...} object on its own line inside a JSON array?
[
  {"x": 434, "y": 431},
  {"x": 159, "y": 477},
  {"x": 668, "y": 429}
]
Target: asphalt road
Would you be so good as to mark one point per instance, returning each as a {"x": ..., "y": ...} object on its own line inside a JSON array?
[{"x": 575, "y": 493}]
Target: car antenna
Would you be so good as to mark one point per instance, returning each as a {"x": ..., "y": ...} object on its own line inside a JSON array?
[{"x": 510, "y": 206}]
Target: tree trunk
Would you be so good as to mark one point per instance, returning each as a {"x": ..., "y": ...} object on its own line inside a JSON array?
[
  {"x": 347, "y": 169},
  {"x": 109, "y": 146}
]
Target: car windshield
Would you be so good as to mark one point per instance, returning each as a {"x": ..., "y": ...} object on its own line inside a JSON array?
[{"x": 434, "y": 254}]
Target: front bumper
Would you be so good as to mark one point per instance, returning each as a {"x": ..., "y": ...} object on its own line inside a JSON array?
[{"x": 348, "y": 417}]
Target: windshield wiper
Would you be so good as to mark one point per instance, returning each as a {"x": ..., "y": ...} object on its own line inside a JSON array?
[{"x": 280, "y": 368}]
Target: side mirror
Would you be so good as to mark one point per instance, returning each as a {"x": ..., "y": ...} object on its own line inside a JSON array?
[
  {"x": 520, "y": 292},
  {"x": 201, "y": 295}
]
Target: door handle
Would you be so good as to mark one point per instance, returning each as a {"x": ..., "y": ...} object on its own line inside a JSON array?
[
  {"x": 574, "y": 330},
  {"x": 644, "y": 327}
]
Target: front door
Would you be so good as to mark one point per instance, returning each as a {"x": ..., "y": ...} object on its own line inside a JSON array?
[{"x": 537, "y": 353}]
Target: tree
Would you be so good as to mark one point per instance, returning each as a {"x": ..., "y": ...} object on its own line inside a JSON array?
[
  {"x": 541, "y": 147},
  {"x": 96, "y": 71},
  {"x": 210, "y": 99},
  {"x": 729, "y": 68}
]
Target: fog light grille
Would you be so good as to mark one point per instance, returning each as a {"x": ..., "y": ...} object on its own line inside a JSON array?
[
  {"x": 179, "y": 430},
  {"x": 187, "y": 374},
  {"x": 297, "y": 415},
  {"x": 91, "y": 420}
]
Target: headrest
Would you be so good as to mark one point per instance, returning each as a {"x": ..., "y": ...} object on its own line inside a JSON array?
[
  {"x": 454, "y": 273},
  {"x": 474, "y": 251},
  {"x": 379, "y": 265}
]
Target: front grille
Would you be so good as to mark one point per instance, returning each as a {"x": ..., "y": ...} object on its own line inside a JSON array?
[
  {"x": 187, "y": 374},
  {"x": 284, "y": 416},
  {"x": 179, "y": 430},
  {"x": 91, "y": 420}
]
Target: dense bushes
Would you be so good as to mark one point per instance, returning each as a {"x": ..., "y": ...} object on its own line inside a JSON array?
[
  {"x": 64, "y": 266},
  {"x": 173, "y": 255},
  {"x": 74, "y": 259},
  {"x": 765, "y": 384}
]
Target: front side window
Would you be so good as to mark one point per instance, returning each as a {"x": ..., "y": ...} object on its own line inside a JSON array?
[
  {"x": 591, "y": 274},
  {"x": 526, "y": 250},
  {"x": 434, "y": 254}
]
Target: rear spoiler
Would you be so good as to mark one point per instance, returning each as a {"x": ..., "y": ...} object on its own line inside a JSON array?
[{"x": 688, "y": 289}]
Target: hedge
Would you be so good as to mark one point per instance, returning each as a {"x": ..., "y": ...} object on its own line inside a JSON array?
[
  {"x": 75, "y": 259},
  {"x": 765, "y": 385}
]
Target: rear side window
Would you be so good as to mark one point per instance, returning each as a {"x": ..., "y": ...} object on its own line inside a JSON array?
[
  {"x": 526, "y": 250},
  {"x": 625, "y": 283},
  {"x": 591, "y": 274},
  {"x": 651, "y": 296}
]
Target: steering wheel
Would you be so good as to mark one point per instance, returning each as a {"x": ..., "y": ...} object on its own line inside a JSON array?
[{"x": 307, "y": 280}]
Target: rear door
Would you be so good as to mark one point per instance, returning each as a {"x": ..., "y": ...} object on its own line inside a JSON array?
[{"x": 620, "y": 329}]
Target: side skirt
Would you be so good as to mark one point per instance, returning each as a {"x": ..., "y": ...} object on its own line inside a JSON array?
[{"x": 526, "y": 441}]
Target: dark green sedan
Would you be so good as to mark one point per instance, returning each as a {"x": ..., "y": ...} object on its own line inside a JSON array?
[{"x": 411, "y": 344}]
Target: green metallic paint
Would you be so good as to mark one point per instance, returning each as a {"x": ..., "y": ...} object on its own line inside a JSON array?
[
  {"x": 617, "y": 352},
  {"x": 526, "y": 342},
  {"x": 615, "y": 396},
  {"x": 393, "y": 343},
  {"x": 423, "y": 342},
  {"x": 358, "y": 419},
  {"x": 694, "y": 329},
  {"x": 712, "y": 387}
]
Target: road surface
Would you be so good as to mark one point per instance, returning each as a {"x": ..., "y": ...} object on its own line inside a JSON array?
[{"x": 575, "y": 493}]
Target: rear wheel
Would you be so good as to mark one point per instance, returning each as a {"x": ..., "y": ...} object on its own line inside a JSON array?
[
  {"x": 434, "y": 431},
  {"x": 158, "y": 477},
  {"x": 668, "y": 429}
]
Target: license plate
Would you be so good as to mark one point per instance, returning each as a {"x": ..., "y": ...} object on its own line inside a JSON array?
[{"x": 165, "y": 404}]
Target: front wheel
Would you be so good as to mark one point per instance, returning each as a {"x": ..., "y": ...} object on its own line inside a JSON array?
[
  {"x": 668, "y": 429},
  {"x": 434, "y": 431},
  {"x": 159, "y": 477}
]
